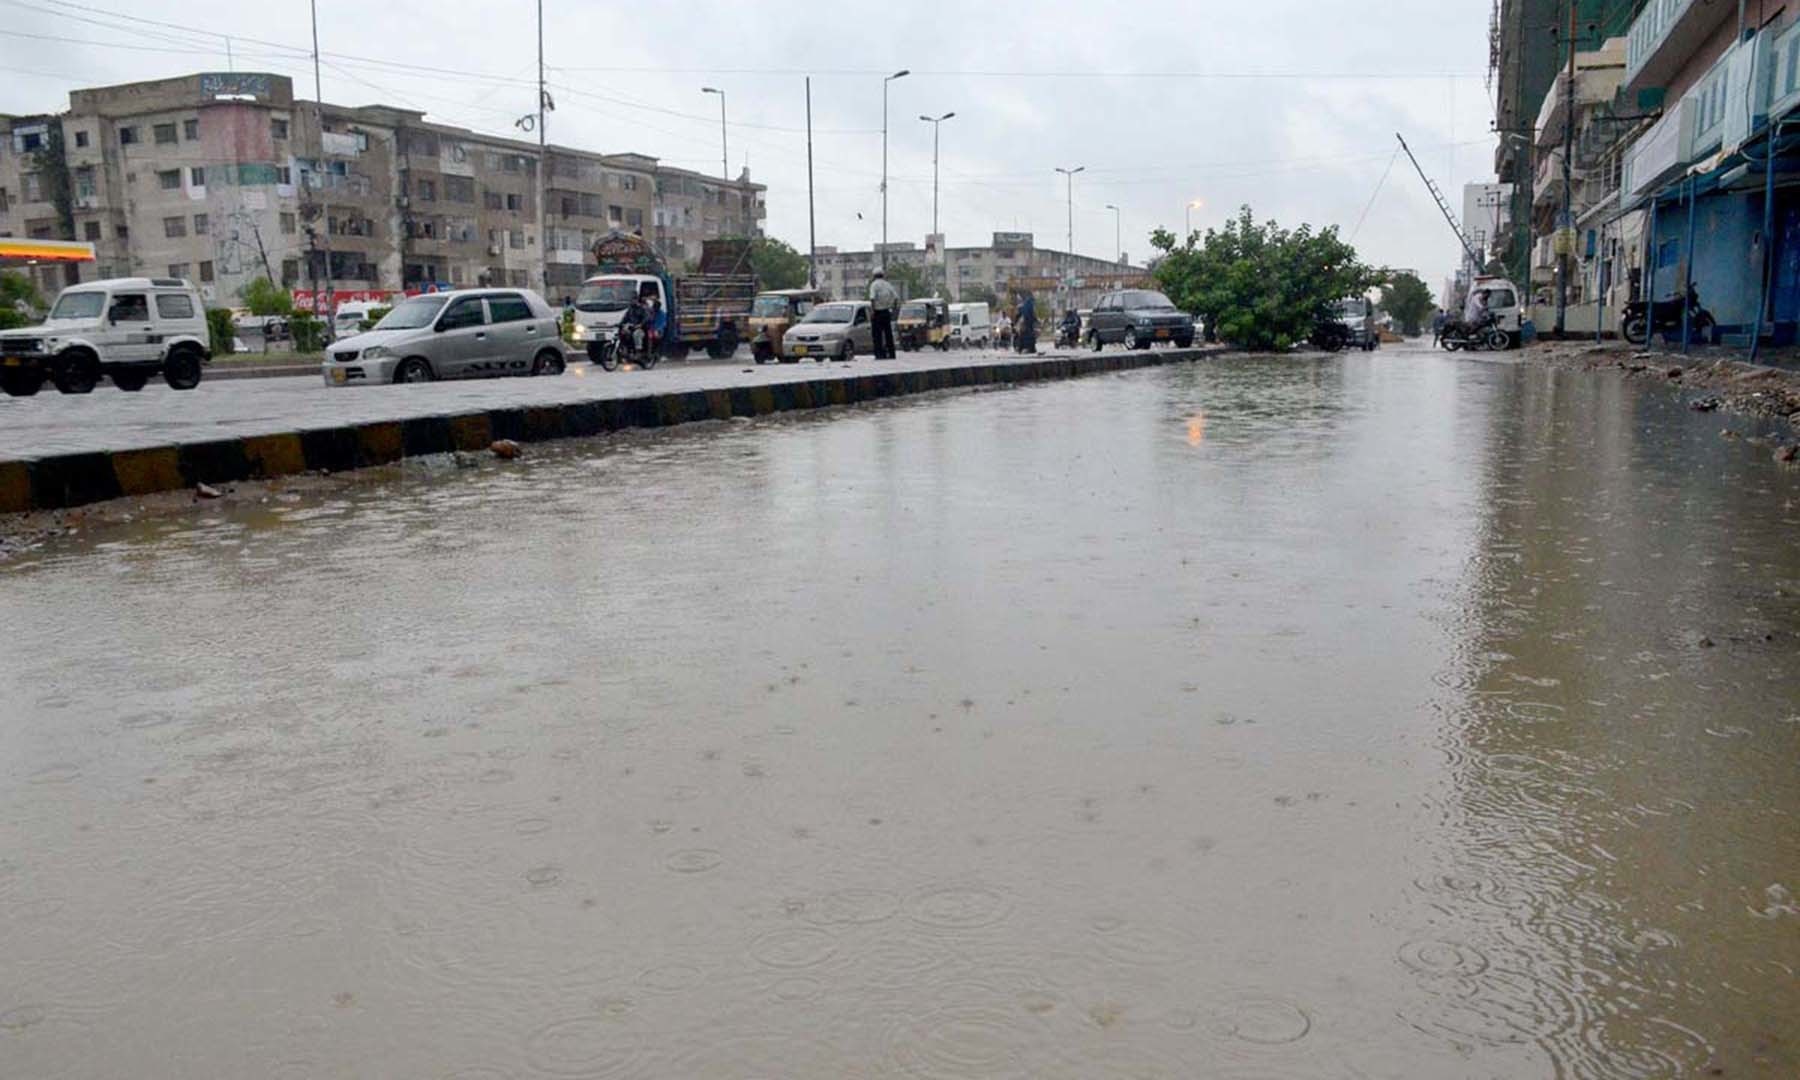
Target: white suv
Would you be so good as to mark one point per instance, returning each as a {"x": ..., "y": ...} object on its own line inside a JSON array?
[{"x": 125, "y": 328}]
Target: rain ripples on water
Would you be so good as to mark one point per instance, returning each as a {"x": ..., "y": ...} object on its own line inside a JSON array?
[{"x": 1378, "y": 716}]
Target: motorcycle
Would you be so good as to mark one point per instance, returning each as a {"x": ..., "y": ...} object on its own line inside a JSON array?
[
  {"x": 1068, "y": 336},
  {"x": 1667, "y": 316},
  {"x": 630, "y": 345},
  {"x": 1458, "y": 334}
]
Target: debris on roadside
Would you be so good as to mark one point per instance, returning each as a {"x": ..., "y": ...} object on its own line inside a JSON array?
[
  {"x": 207, "y": 491},
  {"x": 1706, "y": 404},
  {"x": 505, "y": 449},
  {"x": 1787, "y": 453}
]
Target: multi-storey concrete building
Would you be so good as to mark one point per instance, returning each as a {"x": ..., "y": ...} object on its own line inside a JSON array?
[
  {"x": 1012, "y": 260},
  {"x": 223, "y": 178}
]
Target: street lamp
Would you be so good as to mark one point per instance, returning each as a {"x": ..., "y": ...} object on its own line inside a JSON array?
[
  {"x": 901, "y": 74},
  {"x": 1191, "y": 207},
  {"x": 936, "y": 122},
  {"x": 1118, "y": 245},
  {"x": 1070, "y": 173},
  {"x": 724, "y": 146}
]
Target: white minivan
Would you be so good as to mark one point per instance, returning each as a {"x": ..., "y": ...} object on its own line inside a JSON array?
[
  {"x": 971, "y": 326},
  {"x": 127, "y": 329}
]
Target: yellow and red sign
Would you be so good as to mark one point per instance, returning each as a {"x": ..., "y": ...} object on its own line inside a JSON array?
[{"x": 14, "y": 250}]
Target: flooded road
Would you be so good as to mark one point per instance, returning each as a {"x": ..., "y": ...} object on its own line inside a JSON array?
[{"x": 1366, "y": 717}]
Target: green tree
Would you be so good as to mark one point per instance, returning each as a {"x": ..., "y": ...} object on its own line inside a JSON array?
[
  {"x": 979, "y": 293},
  {"x": 777, "y": 264},
  {"x": 909, "y": 279},
  {"x": 1260, "y": 286},
  {"x": 1408, "y": 300},
  {"x": 264, "y": 297},
  {"x": 19, "y": 299},
  {"x": 221, "y": 332}
]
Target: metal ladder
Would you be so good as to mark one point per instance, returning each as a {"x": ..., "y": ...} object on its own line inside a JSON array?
[{"x": 1443, "y": 206}]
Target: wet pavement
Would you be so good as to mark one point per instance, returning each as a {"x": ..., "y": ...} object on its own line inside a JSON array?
[{"x": 1374, "y": 716}]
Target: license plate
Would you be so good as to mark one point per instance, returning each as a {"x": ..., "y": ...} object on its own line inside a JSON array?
[
  {"x": 12, "y": 361},
  {"x": 1162, "y": 333},
  {"x": 799, "y": 350},
  {"x": 338, "y": 376}
]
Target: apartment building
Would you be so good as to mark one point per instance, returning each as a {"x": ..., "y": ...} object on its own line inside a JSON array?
[
  {"x": 1010, "y": 260},
  {"x": 225, "y": 177}
]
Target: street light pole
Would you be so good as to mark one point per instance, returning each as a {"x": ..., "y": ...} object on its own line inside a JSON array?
[
  {"x": 1070, "y": 173},
  {"x": 901, "y": 74},
  {"x": 1192, "y": 206},
  {"x": 724, "y": 143},
  {"x": 1118, "y": 244},
  {"x": 936, "y": 123}
]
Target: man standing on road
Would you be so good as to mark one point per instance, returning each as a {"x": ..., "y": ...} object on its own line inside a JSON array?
[{"x": 884, "y": 300}]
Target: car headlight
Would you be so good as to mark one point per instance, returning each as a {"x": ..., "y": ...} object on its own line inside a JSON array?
[
  {"x": 375, "y": 352},
  {"x": 579, "y": 333}
]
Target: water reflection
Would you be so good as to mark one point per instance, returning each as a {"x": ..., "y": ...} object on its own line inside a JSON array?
[{"x": 1003, "y": 734}]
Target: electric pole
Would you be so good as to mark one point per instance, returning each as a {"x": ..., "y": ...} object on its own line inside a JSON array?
[
  {"x": 320, "y": 219},
  {"x": 936, "y": 123},
  {"x": 543, "y": 163},
  {"x": 812, "y": 222},
  {"x": 901, "y": 74},
  {"x": 1070, "y": 173},
  {"x": 1118, "y": 236},
  {"x": 724, "y": 144}
]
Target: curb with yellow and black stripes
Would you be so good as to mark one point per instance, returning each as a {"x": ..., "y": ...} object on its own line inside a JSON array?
[{"x": 65, "y": 480}]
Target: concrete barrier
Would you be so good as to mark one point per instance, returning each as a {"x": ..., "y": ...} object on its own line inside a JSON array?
[{"x": 65, "y": 480}]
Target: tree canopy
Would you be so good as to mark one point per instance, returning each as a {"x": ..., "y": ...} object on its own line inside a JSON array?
[
  {"x": 264, "y": 297},
  {"x": 19, "y": 297},
  {"x": 1408, "y": 299},
  {"x": 1259, "y": 285},
  {"x": 777, "y": 264}
]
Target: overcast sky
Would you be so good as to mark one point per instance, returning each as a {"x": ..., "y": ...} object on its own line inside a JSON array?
[{"x": 1288, "y": 105}]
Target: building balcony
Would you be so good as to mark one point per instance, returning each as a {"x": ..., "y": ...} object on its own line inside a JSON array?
[
  {"x": 1665, "y": 35},
  {"x": 1659, "y": 153},
  {"x": 568, "y": 256}
]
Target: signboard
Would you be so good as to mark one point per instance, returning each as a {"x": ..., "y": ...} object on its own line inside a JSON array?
[
  {"x": 235, "y": 85},
  {"x": 304, "y": 299},
  {"x": 626, "y": 253},
  {"x": 1012, "y": 239}
]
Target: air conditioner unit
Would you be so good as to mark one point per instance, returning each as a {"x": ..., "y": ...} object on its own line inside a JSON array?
[{"x": 493, "y": 249}]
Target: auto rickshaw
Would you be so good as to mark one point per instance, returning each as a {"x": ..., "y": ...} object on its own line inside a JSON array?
[
  {"x": 923, "y": 323},
  {"x": 771, "y": 315}
]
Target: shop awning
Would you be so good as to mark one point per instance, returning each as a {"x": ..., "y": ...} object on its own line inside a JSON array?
[{"x": 14, "y": 251}]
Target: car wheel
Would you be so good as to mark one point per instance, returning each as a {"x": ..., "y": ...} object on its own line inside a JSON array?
[
  {"x": 77, "y": 372},
  {"x": 130, "y": 380},
  {"x": 414, "y": 369},
  {"x": 182, "y": 369},
  {"x": 549, "y": 362},
  {"x": 1131, "y": 338},
  {"x": 1184, "y": 343},
  {"x": 1636, "y": 330},
  {"x": 846, "y": 352},
  {"x": 21, "y": 383}
]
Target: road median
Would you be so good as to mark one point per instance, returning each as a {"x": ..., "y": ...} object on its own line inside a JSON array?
[{"x": 59, "y": 481}]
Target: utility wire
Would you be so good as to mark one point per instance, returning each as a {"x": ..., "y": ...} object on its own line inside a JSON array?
[{"x": 1379, "y": 184}]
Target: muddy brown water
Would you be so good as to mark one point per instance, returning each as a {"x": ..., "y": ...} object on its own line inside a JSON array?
[{"x": 1370, "y": 717}]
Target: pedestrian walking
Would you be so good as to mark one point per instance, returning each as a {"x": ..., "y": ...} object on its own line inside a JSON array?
[
  {"x": 1026, "y": 334},
  {"x": 1438, "y": 319},
  {"x": 884, "y": 300}
]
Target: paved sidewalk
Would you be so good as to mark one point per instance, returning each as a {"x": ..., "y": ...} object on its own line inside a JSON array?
[{"x": 111, "y": 420}]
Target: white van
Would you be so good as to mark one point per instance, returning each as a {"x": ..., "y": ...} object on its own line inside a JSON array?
[
  {"x": 1506, "y": 304},
  {"x": 971, "y": 326},
  {"x": 127, "y": 329},
  {"x": 348, "y": 320}
]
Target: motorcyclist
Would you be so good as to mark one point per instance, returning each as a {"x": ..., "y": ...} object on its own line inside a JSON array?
[
  {"x": 1070, "y": 327},
  {"x": 631, "y": 327}
]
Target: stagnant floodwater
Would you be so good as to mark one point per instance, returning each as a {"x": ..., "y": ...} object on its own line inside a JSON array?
[{"x": 1371, "y": 717}]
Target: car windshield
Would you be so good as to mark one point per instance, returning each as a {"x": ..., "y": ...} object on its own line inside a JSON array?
[
  {"x": 611, "y": 295},
  {"x": 413, "y": 314},
  {"x": 1354, "y": 309},
  {"x": 1146, "y": 301},
  {"x": 914, "y": 310},
  {"x": 770, "y": 307},
  {"x": 78, "y": 305},
  {"x": 831, "y": 313}
]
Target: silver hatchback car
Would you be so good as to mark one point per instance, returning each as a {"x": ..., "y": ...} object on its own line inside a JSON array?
[
  {"x": 837, "y": 330},
  {"x": 466, "y": 334}
]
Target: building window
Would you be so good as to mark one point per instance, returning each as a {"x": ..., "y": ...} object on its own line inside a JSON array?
[
  {"x": 124, "y": 232},
  {"x": 284, "y": 174},
  {"x": 174, "y": 226},
  {"x": 278, "y": 128},
  {"x": 30, "y": 142},
  {"x": 169, "y": 179},
  {"x": 459, "y": 189},
  {"x": 615, "y": 215},
  {"x": 287, "y": 223},
  {"x": 515, "y": 239},
  {"x": 127, "y": 136},
  {"x": 90, "y": 230},
  {"x": 197, "y": 176},
  {"x": 200, "y": 224},
  {"x": 516, "y": 278},
  {"x": 33, "y": 187},
  {"x": 179, "y": 270},
  {"x": 84, "y": 182},
  {"x": 81, "y": 139},
  {"x": 515, "y": 202},
  {"x": 164, "y": 134},
  {"x": 206, "y": 271},
  {"x": 427, "y": 191},
  {"x": 628, "y": 182},
  {"x": 634, "y": 218},
  {"x": 290, "y": 271},
  {"x": 490, "y": 200},
  {"x": 190, "y": 130}
]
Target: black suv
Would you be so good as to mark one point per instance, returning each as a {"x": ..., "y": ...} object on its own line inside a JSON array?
[{"x": 1138, "y": 318}]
